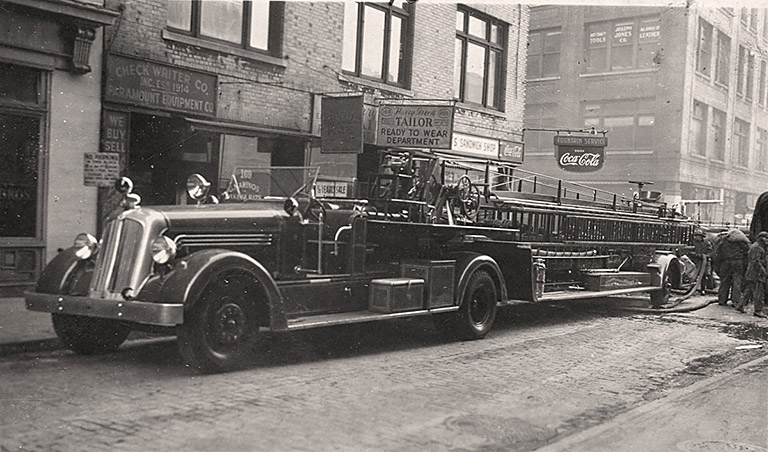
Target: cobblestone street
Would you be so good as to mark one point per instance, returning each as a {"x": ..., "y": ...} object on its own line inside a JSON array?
[{"x": 543, "y": 374}]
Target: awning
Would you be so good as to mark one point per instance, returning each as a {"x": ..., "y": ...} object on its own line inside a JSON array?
[{"x": 249, "y": 130}]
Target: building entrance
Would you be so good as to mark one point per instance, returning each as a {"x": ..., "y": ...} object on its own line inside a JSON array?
[{"x": 163, "y": 152}]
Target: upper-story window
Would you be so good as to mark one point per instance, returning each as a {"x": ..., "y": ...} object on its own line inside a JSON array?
[
  {"x": 761, "y": 83},
  {"x": 704, "y": 48},
  {"x": 630, "y": 122},
  {"x": 480, "y": 54},
  {"x": 537, "y": 117},
  {"x": 242, "y": 23},
  {"x": 741, "y": 142},
  {"x": 718, "y": 134},
  {"x": 741, "y": 70},
  {"x": 544, "y": 53},
  {"x": 376, "y": 37},
  {"x": 722, "y": 63},
  {"x": 761, "y": 153},
  {"x": 698, "y": 141},
  {"x": 633, "y": 43}
]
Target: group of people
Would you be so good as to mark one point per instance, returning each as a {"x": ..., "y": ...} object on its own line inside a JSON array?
[{"x": 743, "y": 270}]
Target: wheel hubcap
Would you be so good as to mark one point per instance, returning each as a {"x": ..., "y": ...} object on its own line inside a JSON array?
[
  {"x": 230, "y": 324},
  {"x": 479, "y": 309}
]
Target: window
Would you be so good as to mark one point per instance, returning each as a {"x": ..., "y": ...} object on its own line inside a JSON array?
[
  {"x": 750, "y": 75},
  {"x": 629, "y": 123},
  {"x": 722, "y": 64},
  {"x": 544, "y": 53},
  {"x": 761, "y": 153},
  {"x": 753, "y": 13},
  {"x": 375, "y": 37},
  {"x": 741, "y": 70},
  {"x": 698, "y": 140},
  {"x": 242, "y": 23},
  {"x": 761, "y": 83},
  {"x": 718, "y": 134},
  {"x": 623, "y": 44},
  {"x": 704, "y": 49},
  {"x": 22, "y": 113},
  {"x": 480, "y": 56},
  {"x": 741, "y": 142},
  {"x": 540, "y": 116}
]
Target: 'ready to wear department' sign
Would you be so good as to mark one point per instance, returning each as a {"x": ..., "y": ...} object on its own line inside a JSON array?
[
  {"x": 155, "y": 85},
  {"x": 580, "y": 153},
  {"x": 415, "y": 126}
]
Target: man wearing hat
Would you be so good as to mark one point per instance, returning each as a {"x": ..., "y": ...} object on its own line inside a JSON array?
[
  {"x": 756, "y": 276},
  {"x": 729, "y": 261}
]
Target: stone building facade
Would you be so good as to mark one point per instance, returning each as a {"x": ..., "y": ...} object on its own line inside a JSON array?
[{"x": 681, "y": 93}]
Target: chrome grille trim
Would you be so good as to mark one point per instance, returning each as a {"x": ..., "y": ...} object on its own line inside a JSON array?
[{"x": 212, "y": 240}]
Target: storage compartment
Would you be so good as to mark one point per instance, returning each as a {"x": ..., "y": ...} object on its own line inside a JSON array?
[
  {"x": 396, "y": 295},
  {"x": 438, "y": 277},
  {"x": 600, "y": 281}
]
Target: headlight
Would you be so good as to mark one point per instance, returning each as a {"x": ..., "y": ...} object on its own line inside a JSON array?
[
  {"x": 163, "y": 250},
  {"x": 86, "y": 245}
]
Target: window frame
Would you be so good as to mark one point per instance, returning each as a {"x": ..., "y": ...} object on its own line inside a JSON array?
[
  {"x": 762, "y": 82},
  {"x": 722, "y": 60},
  {"x": 465, "y": 38},
  {"x": 761, "y": 150},
  {"x": 741, "y": 142},
  {"x": 610, "y": 46},
  {"x": 637, "y": 108},
  {"x": 276, "y": 12},
  {"x": 718, "y": 125},
  {"x": 704, "y": 49},
  {"x": 699, "y": 146},
  {"x": 544, "y": 33},
  {"x": 404, "y": 13}
]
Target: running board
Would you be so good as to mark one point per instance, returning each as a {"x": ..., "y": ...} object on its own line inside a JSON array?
[
  {"x": 583, "y": 294},
  {"x": 347, "y": 318}
]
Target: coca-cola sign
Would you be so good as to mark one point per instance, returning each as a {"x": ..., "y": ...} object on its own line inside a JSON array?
[{"x": 580, "y": 154}]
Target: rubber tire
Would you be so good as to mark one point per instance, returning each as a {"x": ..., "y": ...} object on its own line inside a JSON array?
[
  {"x": 89, "y": 335},
  {"x": 220, "y": 331},
  {"x": 661, "y": 297},
  {"x": 477, "y": 311}
]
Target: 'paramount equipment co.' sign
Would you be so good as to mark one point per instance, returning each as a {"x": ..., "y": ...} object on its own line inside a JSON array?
[{"x": 580, "y": 153}]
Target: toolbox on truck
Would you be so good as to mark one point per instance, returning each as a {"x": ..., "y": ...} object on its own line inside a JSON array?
[
  {"x": 438, "y": 277},
  {"x": 610, "y": 280},
  {"x": 396, "y": 295}
]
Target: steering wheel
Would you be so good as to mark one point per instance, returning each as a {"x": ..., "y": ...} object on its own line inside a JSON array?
[
  {"x": 469, "y": 197},
  {"x": 309, "y": 213}
]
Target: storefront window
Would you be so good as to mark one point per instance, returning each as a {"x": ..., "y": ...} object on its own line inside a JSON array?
[{"x": 19, "y": 150}]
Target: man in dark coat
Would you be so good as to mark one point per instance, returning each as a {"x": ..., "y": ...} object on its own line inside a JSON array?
[
  {"x": 729, "y": 261},
  {"x": 756, "y": 276}
]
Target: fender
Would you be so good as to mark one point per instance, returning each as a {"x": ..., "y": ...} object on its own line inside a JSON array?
[
  {"x": 57, "y": 275},
  {"x": 664, "y": 262},
  {"x": 192, "y": 273},
  {"x": 467, "y": 263}
]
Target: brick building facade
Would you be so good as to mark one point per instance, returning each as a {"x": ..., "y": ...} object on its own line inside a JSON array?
[{"x": 681, "y": 92}]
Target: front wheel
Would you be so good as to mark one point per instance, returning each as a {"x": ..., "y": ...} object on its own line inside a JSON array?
[
  {"x": 477, "y": 312},
  {"x": 661, "y": 297},
  {"x": 89, "y": 335},
  {"x": 219, "y": 332}
]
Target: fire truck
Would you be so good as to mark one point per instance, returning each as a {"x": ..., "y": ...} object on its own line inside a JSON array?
[{"x": 423, "y": 234}]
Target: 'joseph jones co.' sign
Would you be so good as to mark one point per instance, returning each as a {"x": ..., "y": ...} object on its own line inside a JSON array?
[{"x": 579, "y": 153}]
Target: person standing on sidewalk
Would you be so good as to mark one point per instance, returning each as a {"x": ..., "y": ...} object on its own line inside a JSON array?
[
  {"x": 757, "y": 275},
  {"x": 729, "y": 260}
]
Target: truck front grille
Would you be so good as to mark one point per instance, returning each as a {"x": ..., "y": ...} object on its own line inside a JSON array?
[{"x": 119, "y": 263}]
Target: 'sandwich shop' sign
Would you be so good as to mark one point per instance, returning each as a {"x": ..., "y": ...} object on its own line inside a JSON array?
[{"x": 580, "y": 153}]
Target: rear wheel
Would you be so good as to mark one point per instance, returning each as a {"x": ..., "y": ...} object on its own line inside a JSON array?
[
  {"x": 661, "y": 297},
  {"x": 220, "y": 331},
  {"x": 477, "y": 312},
  {"x": 89, "y": 335}
]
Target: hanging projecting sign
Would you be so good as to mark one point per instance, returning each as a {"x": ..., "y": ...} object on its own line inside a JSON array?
[
  {"x": 341, "y": 128},
  {"x": 511, "y": 151},
  {"x": 155, "y": 85},
  {"x": 580, "y": 153},
  {"x": 415, "y": 126}
]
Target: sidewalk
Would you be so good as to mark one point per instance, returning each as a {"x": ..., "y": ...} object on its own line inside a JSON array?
[
  {"x": 22, "y": 330},
  {"x": 723, "y": 413}
]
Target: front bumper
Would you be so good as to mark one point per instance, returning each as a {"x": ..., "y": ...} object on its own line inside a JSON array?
[{"x": 162, "y": 314}]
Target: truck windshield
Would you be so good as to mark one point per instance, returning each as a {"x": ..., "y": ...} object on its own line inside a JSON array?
[{"x": 248, "y": 184}]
